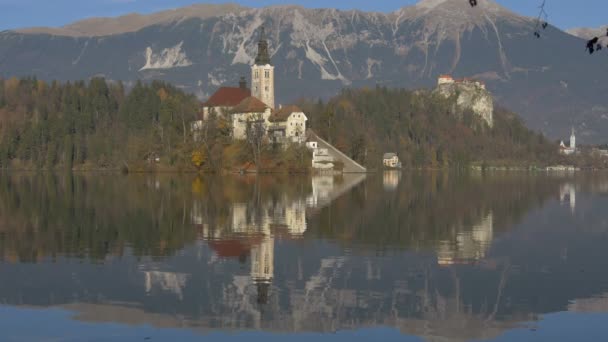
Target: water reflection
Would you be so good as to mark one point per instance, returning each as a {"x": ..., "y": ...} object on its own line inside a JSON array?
[
  {"x": 468, "y": 245},
  {"x": 391, "y": 179},
  {"x": 567, "y": 193},
  {"x": 441, "y": 256},
  {"x": 326, "y": 188},
  {"x": 166, "y": 281}
]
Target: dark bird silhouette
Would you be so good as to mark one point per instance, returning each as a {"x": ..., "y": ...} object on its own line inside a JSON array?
[
  {"x": 473, "y": 3},
  {"x": 591, "y": 45}
]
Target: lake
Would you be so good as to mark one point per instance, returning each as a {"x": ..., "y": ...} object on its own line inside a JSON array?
[{"x": 395, "y": 256}]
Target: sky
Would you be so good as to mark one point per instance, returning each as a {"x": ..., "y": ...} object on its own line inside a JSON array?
[{"x": 27, "y": 13}]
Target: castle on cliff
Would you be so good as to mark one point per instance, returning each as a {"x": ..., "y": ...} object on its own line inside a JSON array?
[
  {"x": 470, "y": 94},
  {"x": 447, "y": 80}
]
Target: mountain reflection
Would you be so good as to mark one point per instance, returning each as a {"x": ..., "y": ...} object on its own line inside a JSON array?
[{"x": 436, "y": 255}]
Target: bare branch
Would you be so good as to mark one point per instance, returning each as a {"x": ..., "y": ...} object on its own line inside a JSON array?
[
  {"x": 593, "y": 44},
  {"x": 541, "y": 19}
]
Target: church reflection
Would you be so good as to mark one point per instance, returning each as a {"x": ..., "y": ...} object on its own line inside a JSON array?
[
  {"x": 567, "y": 194},
  {"x": 251, "y": 234},
  {"x": 468, "y": 245},
  {"x": 252, "y": 229}
]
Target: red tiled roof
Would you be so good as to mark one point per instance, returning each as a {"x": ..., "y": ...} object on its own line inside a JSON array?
[
  {"x": 284, "y": 113},
  {"x": 234, "y": 247},
  {"x": 250, "y": 105},
  {"x": 229, "y": 249},
  {"x": 227, "y": 97}
]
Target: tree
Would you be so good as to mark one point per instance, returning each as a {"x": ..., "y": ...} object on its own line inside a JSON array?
[
  {"x": 256, "y": 137},
  {"x": 199, "y": 158},
  {"x": 72, "y": 124},
  {"x": 325, "y": 122},
  {"x": 427, "y": 131}
]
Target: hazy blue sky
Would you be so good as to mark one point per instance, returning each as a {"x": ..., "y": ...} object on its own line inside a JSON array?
[{"x": 26, "y": 13}]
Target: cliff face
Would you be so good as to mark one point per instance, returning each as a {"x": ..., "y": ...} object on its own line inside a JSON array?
[{"x": 471, "y": 96}]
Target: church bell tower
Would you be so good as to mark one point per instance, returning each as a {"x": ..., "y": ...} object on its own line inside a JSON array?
[
  {"x": 262, "y": 267},
  {"x": 573, "y": 139},
  {"x": 262, "y": 73}
]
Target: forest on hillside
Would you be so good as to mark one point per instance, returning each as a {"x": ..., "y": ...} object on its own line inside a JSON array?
[
  {"x": 425, "y": 130},
  {"x": 102, "y": 125},
  {"x": 96, "y": 123}
]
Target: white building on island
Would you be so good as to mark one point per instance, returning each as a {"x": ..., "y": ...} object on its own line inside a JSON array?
[
  {"x": 246, "y": 107},
  {"x": 250, "y": 111},
  {"x": 391, "y": 160},
  {"x": 571, "y": 148},
  {"x": 288, "y": 123}
]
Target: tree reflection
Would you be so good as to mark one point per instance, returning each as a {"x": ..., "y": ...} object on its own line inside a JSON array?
[{"x": 436, "y": 255}]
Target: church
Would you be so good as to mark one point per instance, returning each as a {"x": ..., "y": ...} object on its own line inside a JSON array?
[
  {"x": 571, "y": 148},
  {"x": 244, "y": 107}
]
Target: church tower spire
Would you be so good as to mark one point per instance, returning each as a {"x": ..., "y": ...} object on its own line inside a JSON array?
[
  {"x": 573, "y": 139},
  {"x": 263, "y": 56},
  {"x": 262, "y": 73}
]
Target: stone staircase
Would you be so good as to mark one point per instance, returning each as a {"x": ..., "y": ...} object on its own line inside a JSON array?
[{"x": 350, "y": 166}]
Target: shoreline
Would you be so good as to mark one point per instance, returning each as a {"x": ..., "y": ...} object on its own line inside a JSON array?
[{"x": 307, "y": 172}]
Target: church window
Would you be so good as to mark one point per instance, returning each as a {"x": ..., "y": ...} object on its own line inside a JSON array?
[
  {"x": 267, "y": 74},
  {"x": 257, "y": 74},
  {"x": 266, "y": 88}
]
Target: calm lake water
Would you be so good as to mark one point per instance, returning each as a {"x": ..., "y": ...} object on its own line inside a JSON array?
[{"x": 391, "y": 257}]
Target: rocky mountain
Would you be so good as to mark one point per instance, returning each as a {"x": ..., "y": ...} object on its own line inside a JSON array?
[
  {"x": 588, "y": 32},
  {"x": 550, "y": 81},
  {"x": 95, "y": 27},
  {"x": 469, "y": 95}
]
